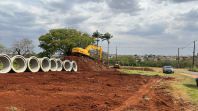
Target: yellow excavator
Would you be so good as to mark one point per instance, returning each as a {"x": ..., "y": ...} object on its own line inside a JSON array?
[{"x": 84, "y": 52}]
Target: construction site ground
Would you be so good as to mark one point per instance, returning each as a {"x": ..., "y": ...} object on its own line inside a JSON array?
[{"x": 94, "y": 87}]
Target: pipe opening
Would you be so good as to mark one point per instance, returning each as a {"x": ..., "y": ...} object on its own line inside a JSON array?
[
  {"x": 45, "y": 64},
  {"x": 5, "y": 65},
  {"x": 74, "y": 66},
  {"x": 59, "y": 64},
  {"x": 67, "y": 66},
  {"x": 18, "y": 64},
  {"x": 33, "y": 64},
  {"x": 53, "y": 64}
]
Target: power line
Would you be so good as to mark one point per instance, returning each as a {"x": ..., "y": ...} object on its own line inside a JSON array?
[
  {"x": 189, "y": 44},
  {"x": 148, "y": 47}
]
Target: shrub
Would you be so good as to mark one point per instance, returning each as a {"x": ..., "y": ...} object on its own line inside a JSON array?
[{"x": 193, "y": 69}]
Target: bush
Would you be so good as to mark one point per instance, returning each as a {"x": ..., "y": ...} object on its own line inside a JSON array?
[{"x": 193, "y": 69}]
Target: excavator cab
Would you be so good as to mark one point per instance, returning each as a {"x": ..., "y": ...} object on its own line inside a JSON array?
[{"x": 117, "y": 65}]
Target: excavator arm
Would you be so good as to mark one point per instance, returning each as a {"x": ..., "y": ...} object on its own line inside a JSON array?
[
  {"x": 95, "y": 47},
  {"x": 85, "y": 51}
]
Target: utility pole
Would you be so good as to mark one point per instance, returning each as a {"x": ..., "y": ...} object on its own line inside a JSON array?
[
  {"x": 178, "y": 59},
  {"x": 194, "y": 54},
  {"x": 108, "y": 54},
  {"x": 116, "y": 53},
  {"x": 97, "y": 49}
]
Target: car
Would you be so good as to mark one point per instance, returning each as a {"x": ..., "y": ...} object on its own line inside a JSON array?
[{"x": 168, "y": 69}]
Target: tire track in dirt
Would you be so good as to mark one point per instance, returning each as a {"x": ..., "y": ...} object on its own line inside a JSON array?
[{"x": 136, "y": 98}]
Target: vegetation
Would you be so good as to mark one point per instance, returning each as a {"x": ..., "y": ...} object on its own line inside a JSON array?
[
  {"x": 1, "y": 65},
  {"x": 124, "y": 61},
  {"x": 15, "y": 64},
  {"x": 182, "y": 64},
  {"x": 23, "y": 47},
  {"x": 4, "y": 49},
  {"x": 193, "y": 69},
  {"x": 63, "y": 40},
  {"x": 97, "y": 35},
  {"x": 107, "y": 36},
  {"x": 185, "y": 87}
]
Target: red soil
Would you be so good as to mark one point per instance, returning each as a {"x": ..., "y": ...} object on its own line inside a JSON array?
[
  {"x": 86, "y": 64},
  {"x": 85, "y": 90}
]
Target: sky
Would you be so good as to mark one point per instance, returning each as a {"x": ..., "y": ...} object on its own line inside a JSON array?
[{"x": 157, "y": 27}]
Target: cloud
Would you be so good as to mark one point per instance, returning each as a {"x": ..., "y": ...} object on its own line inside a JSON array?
[
  {"x": 192, "y": 15},
  {"x": 188, "y": 26},
  {"x": 188, "y": 21},
  {"x": 65, "y": 6},
  {"x": 124, "y": 6},
  {"x": 131, "y": 22},
  {"x": 147, "y": 30},
  {"x": 75, "y": 20},
  {"x": 173, "y": 1}
]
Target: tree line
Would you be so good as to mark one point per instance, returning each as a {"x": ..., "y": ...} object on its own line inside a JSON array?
[
  {"x": 131, "y": 61},
  {"x": 59, "y": 41}
]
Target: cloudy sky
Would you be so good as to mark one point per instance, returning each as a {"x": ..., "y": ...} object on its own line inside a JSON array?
[{"x": 138, "y": 26}]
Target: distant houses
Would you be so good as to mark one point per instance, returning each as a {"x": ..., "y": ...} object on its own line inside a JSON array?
[{"x": 141, "y": 58}]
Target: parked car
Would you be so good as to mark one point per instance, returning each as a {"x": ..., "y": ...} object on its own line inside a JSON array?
[{"x": 168, "y": 69}]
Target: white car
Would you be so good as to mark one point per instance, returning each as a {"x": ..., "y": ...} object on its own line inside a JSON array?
[{"x": 168, "y": 69}]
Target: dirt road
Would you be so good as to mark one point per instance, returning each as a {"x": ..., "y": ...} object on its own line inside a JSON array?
[
  {"x": 195, "y": 74},
  {"x": 184, "y": 72}
]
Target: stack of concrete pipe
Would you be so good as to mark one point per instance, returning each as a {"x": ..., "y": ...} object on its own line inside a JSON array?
[{"x": 34, "y": 64}]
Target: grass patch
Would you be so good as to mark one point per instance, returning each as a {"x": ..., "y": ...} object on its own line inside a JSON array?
[
  {"x": 138, "y": 67},
  {"x": 186, "y": 68},
  {"x": 15, "y": 65},
  {"x": 14, "y": 108},
  {"x": 186, "y": 86},
  {"x": 193, "y": 69},
  {"x": 1, "y": 66}
]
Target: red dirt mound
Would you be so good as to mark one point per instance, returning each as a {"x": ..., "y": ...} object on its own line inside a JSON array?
[{"x": 85, "y": 64}]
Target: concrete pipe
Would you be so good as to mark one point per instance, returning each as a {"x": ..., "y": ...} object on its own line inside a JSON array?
[
  {"x": 21, "y": 64},
  {"x": 67, "y": 66},
  {"x": 33, "y": 64},
  {"x": 59, "y": 65},
  {"x": 6, "y": 62},
  {"x": 53, "y": 64},
  {"x": 44, "y": 64},
  {"x": 74, "y": 66}
]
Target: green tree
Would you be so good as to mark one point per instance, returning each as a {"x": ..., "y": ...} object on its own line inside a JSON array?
[
  {"x": 124, "y": 60},
  {"x": 107, "y": 37},
  {"x": 97, "y": 35},
  {"x": 63, "y": 40},
  {"x": 4, "y": 49}
]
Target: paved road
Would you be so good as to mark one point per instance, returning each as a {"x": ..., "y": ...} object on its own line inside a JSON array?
[{"x": 188, "y": 72}]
